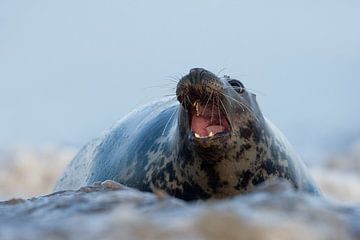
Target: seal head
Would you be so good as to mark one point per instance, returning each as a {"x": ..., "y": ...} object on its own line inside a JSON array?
[{"x": 214, "y": 109}]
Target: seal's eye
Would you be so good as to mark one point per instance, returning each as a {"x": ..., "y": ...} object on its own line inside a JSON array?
[{"x": 237, "y": 85}]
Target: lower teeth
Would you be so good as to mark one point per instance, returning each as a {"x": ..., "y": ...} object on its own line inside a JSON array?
[{"x": 198, "y": 135}]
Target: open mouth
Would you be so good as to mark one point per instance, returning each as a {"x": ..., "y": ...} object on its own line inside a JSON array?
[{"x": 208, "y": 120}]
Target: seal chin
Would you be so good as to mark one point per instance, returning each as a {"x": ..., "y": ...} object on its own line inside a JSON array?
[{"x": 208, "y": 120}]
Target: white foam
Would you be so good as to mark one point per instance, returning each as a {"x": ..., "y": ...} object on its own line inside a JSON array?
[{"x": 27, "y": 172}]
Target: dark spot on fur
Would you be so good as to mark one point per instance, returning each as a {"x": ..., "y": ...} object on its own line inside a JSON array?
[
  {"x": 191, "y": 192},
  {"x": 245, "y": 133},
  {"x": 240, "y": 153},
  {"x": 256, "y": 132},
  {"x": 170, "y": 170},
  {"x": 244, "y": 180},
  {"x": 258, "y": 178},
  {"x": 247, "y": 146},
  {"x": 213, "y": 177},
  {"x": 269, "y": 166}
]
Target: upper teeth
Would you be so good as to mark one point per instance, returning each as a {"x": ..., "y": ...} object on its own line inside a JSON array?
[{"x": 196, "y": 104}]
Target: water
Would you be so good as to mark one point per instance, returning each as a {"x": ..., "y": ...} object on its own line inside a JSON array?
[{"x": 112, "y": 211}]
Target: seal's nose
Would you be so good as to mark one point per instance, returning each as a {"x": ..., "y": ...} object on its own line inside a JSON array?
[
  {"x": 196, "y": 71},
  {"x": 200, "y": 75},
  {"x": 197, "y": 84},
  {"x": 197, "y": 74}
]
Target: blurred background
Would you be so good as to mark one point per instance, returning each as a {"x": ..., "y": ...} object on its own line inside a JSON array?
[{"x": 70, "y": 69}]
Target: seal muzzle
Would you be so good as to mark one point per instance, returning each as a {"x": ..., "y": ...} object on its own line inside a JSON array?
[{"x": 201, "y": 95}]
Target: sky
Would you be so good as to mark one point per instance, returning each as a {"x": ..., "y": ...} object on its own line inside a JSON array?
[{"x": 70, "y": 69}]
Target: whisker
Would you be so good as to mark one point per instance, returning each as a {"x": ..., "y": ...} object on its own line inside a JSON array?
[
  {"x": 172, "y": 79},
  {"x": 187, "y": 96},
  {"x": 184, "y": 102},
  {"x": 256, "y": 92},
  {"x": 161, "y": 85},
  {"x": 212, "y": 109},
  {"x": 251, "y": 90},
  {"x": 187, "y": 102},
  {"x": 168, "y": 121},
  {"x": 226, "y": 113},
  {"x": 169, "y": 95},
  {"x": 156, "y": 109},
  {"x": 221, "y": 70},
  {"x": 242, "y": 105},
  {"x": 207, "y": 102},
  {"x": 218, "y": 97}
]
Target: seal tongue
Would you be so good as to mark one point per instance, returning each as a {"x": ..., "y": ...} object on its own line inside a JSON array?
[
  {"x": 199, "y": 125},
  {"x": 208, "y": 122}
]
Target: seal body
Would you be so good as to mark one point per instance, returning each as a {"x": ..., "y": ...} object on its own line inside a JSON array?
[{"x": 212, "y": 142}]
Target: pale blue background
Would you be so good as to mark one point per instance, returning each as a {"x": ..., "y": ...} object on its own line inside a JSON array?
[{"x": 69, "y": 69}]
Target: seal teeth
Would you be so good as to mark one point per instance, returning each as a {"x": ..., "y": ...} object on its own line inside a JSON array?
[
  {"x": 211, "y": 134},
  {"x": 196, "y": 104},
  {"x": 197, "y": 135}
]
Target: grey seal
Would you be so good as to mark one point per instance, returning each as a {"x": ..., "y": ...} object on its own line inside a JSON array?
[{"x": 210, "y": 141}]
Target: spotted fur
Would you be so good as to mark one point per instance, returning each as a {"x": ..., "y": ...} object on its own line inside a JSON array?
[{"x": 153, "y": 147}]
